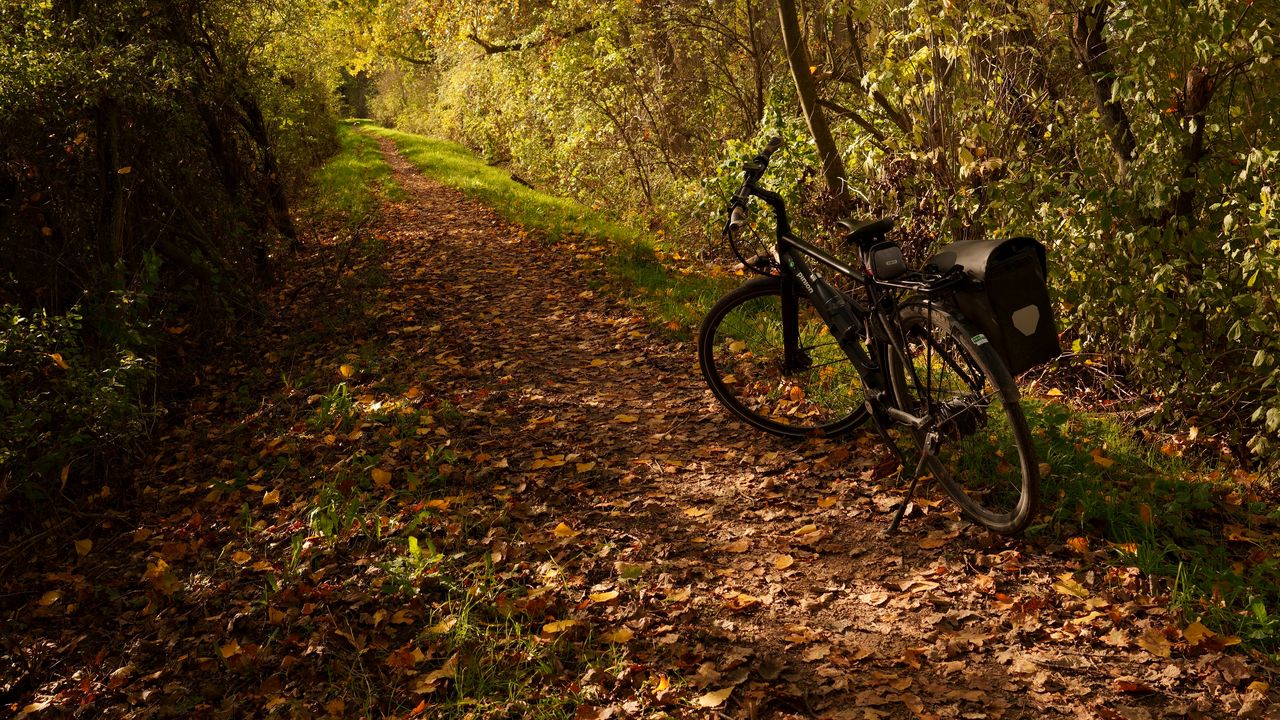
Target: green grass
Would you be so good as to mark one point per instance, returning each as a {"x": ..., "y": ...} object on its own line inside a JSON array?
[
  {"x": 352, "y": 183},
  {"x": 1203, "y": 533},
  {"x": 674, "y": 298}
]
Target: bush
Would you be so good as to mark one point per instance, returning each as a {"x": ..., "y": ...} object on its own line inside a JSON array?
[{"x": 62, "y": 407}]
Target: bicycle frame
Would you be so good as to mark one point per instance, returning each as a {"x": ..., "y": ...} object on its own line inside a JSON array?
[{"x": 847, "y": 319}]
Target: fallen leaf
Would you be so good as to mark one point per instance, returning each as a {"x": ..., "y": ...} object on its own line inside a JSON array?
[
  {"x": 1195, "y": 633},
  {"x": 1068, "y": 586},
  {"x": 742, "y": 602},
  {"x": 50, "y": 597},
  {"x": 346, "y": 370},
  {"x": 875, "y": 598},
  {"x": 552, "y": 628},
  {"x": 620, "y": 635},
  {"x": 271, "y": 497},
  {"x": 240, "y": 557},
  {"x": 1100, "y": 459},
  {"x": 83, "y": 547},
  {"x": 381, "y": 478},
  {"x": 57, "y": 360},
  {"x": 603, "y": 597},
  {"x": 564, "y": 531},
  {"x": 737, "y": 546},
  {"x": 782, "y": 562},
  {"x": 231, "y": 649},
  {"x": 623, "y": 418},
  {"x": 714, "y": 698},
  {"x": 1154, "y": 642}
]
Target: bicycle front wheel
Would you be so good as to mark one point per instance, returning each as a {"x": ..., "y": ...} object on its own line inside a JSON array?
[
  {"x": 982, "y": 455},
  {"x": 771, "y": 360}
]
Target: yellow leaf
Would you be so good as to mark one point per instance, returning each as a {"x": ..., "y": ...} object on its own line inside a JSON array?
[
  {"x": 564, "y": 531},
  {"x": 381, "y": 478},
  {"x": 443, "y": 626},
  {"x": 1068, "y": 586},
  {"x": 742, "y": 602},
  {"x": 620, "y": 635},
  {"x": 413, "y": 392},
  {"x": 782, "y": 562},
  {"x": 50, "y": 597},
  {"x": 696, "y": 511},
  {"x": 737, "y": 346},
  {"x": 1055, "y": 392},
  {"x": 1098, "y": 458},
  {"x": 624, "y": 418},
  {"x": 274, "y": 616},
  {"x": 1195, "y": 633},
  {"x": 827, "y": 502},
  {"x": 737, "y": 546},
  {"x": 662, "y": 685},
  {"x": 552, "y": 628},
  {"x": 346, "y": 370},
  {"x": 271, "y": 497},
  {"x": 715, "y": 698},
  {"x": 584, "y": 467},
  {"x": 805, "y": 530},
  {"x": 603, "y": 597},
  {"x": 83, "y": 547},
  {"x": 125, "y": 170},
  {"x": 230, "y": 649},
  {"x": 57, "y": 360},
  {"x": 1154, "y": 642},
  {"x": 240, "y": 557},
  {"x": 1079, "y": 544}
]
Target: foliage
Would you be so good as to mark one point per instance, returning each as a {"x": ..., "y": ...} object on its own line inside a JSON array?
[
  {"x": 148, "y": 146},
  {"x": 1098, "y": 127},
  {"x": 59, "y": 405}
]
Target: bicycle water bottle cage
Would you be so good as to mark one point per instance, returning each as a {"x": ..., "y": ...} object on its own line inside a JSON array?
[{"x": 863, "y": 233}]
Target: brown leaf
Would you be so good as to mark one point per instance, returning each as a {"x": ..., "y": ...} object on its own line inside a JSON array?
[
  {"x": 1154, "y": 642},
  {"x": 714, "y": 698}
]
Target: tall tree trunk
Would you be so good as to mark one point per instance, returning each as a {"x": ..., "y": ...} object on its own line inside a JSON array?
[{"x": 798, "y": 60}]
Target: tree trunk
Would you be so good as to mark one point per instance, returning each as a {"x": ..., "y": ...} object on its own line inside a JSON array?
[{"x": 798, "y": 60}]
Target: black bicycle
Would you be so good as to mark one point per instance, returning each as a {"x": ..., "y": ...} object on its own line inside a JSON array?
[{"x": 927, "y": 354}]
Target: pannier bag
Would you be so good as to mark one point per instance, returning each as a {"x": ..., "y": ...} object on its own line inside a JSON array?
[{"x": 1006, "y": 299}]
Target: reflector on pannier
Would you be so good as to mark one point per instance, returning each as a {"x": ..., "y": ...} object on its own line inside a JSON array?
[{"x": 1006, "y": 298}]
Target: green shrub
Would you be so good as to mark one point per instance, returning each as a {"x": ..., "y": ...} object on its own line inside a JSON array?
[{"x": 61, "y": 406}]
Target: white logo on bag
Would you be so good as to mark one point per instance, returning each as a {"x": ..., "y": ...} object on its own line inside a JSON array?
[{"x": 1027, "y": 320}]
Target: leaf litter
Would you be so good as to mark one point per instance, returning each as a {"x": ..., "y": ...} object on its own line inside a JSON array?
[{"x": 511, "y": 481}]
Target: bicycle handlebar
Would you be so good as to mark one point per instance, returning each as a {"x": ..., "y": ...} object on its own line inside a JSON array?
[{"x": 753, "y": 171}]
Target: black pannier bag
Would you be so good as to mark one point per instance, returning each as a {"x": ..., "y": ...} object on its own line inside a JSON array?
[{"x": 1006, "y": 299}]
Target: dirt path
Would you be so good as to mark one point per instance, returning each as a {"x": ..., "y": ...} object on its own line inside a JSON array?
[{"x": 584, "y": 458}]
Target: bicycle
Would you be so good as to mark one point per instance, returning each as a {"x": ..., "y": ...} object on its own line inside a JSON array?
[{"x": 791, "y": 354}]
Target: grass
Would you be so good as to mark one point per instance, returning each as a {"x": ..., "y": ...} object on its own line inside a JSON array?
[
  {"x": 352, "y": 183},
  {"x": 1203, "y": 535}
]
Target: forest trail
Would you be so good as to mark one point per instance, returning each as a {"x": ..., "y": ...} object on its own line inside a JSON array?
[{"x": 519, "y": 474}]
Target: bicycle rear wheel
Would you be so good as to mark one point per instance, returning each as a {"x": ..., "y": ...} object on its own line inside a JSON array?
[
  {"x": 805, "y": 388},
  {"x": 984, "y": 456}
]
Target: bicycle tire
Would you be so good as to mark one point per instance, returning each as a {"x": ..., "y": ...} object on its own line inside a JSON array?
[
  {"x": 986, "y": 460},
  {"x": 742, "y": 357}
]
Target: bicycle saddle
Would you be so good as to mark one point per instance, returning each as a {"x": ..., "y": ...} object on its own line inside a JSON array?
[{"x": 863, "y": 231}]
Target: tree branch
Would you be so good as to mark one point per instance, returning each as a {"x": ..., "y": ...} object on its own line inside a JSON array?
[
  {"x": 1090, "y": 49},
  {"x": 491, "y": 48},
  {"x": 857, "y": 119}
]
